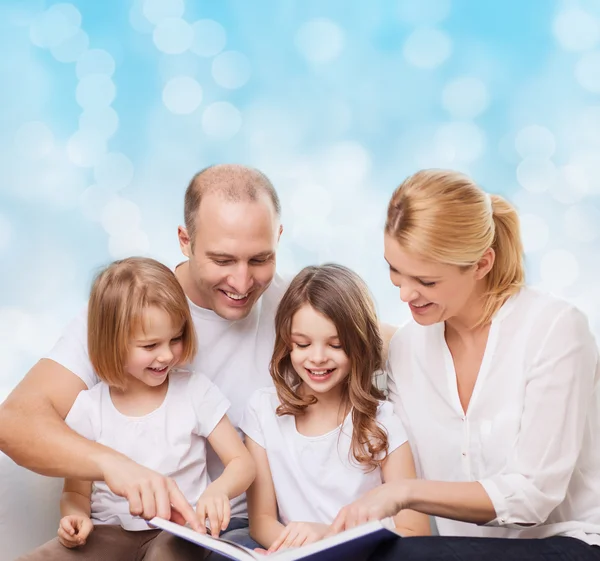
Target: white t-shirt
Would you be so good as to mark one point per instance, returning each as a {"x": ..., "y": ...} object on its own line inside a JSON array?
[
  {"x": 531, "y": 434},
  {"x": 170, "y": 440},
  {"x": 314, "y": 476},
  {"x": 235, "y": 355}
]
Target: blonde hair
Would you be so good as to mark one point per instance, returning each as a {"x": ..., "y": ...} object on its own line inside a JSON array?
[
  {"x": 343, "y": 297},
  {"x": 444, "y": 216},
  {"x": 120, "y": 295}
]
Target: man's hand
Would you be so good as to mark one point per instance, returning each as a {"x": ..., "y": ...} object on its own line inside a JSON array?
[
  {"x": 215, "y": 507},
  {"x": 381, "y": 502},
  {"x": 297, "y": 534},
  {"x": 149, "y": 493},
  {"x": 74, "y": 530}
]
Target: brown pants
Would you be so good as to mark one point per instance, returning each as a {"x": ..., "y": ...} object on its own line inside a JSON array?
[{"x": 111, "y": 543}]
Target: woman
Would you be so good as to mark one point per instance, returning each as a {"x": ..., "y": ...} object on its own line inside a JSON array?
[{"x": 496, "y": 383}]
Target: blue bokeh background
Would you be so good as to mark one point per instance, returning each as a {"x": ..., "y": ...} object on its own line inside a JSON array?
[{"x": 108, "y": 108}]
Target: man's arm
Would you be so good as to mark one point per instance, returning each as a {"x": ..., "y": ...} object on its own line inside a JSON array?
[{"x": 33, "y": 433}]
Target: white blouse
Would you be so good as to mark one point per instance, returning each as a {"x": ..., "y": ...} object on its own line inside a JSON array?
[{"x": 531, "y": 434}]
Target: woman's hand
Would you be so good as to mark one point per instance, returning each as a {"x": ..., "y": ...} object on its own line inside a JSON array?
[
  {"x": 297, "y": 534},
  {"x": 74, "y": 530},
  {"x": 383, "y": 501},
  {"x": 214, "y": 506}
]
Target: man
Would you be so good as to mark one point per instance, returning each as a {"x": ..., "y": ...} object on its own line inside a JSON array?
[{"x": 232, "y": 228}]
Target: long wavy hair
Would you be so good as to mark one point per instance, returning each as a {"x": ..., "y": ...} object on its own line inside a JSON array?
[{"x": 341, "y": 296}]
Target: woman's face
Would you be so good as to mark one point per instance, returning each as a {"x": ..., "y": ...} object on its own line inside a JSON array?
[{"x": 435, "y": 292}]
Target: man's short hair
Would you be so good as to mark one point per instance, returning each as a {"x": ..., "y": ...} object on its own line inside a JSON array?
[{"x": 234, "y": 182}]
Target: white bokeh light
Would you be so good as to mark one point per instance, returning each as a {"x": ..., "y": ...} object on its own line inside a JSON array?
[
  {"x": 120, "y": 217},
  {"x": 34, "y": 140},
  {"x": 95, "y": 90},
  {"x": 101, "y": 122},
  {"x": 5, "y": 232},
  {"x": 423, "y": 12},
  {"x": 137, "y": 18},
  {"x": 209, "y": 38},
  {"x": 576, "y": 29},
  {"x": 156, "y": 11},
  {"x": 587, "y": 71},
  {"x": 58, "y": 181},
  {"x": 54, "y": 26},
  {"x": 221, "y": 120},
  {"x": 465, "y": 98},
  {"x": 312, "y": 235},
  {"x": 85, "y": 148},
  {"x": 95, "y": 61},
  {"x": 459, "y": 141},
  {"x": 345, "y": 165},
  {"x": 427, "y": 47},
  {"x": 231, "y": 69},
  {"x": 72, "y": 48},
  {"x": 182, "y": 95},
  {"x": 173, "y": 36},
  {"x": 559, "y": 269},
  {"x": 93, "y": 201},
  {"x": 311, "y": 200},
  {"x": 587, "y": 163},
  {"x": 571, "y": 186},
  {"x": 134, "y": 242},
  {"x": 113, "y": 172},
  {"x": 537, "y": 175},
  {"x": 582, "y": 222},
  {"x": 534, "y": 232},
  {"x": 320, "y": 41},
  {"x": 535, "y": 141}
]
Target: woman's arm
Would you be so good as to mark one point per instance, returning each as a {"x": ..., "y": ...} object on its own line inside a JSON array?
[
  {"x": 265, "y": 527},
  {"x": 559, "y": 388},
  {"x": 399, "y": 466}
]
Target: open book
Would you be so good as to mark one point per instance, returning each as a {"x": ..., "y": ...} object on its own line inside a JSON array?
[{"x": 355, "y": 544}]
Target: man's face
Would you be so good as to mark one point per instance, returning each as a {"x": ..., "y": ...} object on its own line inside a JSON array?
[{"x": 233, "y": 257}]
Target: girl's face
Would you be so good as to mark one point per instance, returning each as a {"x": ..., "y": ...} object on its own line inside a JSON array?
[
  {"x": 317, "y": 356},
  {"x": 155, "y": 348}
]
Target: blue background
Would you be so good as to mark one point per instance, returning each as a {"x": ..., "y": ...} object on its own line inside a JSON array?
[{"x": 108, "y": 108}]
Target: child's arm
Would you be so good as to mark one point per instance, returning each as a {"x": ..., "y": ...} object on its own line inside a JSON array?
[
  {"x": 397, "y": 466},
  {"x": 239, "y": 473},
  {"x": 265, "y": 527},
  {"x": 75, "y": 508}
]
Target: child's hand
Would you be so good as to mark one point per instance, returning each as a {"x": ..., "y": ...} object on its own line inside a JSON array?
[
  {"x": 74, "y": 530},
  {"x": 297, "y": 534},
  {"x": 214, "y": 506}
]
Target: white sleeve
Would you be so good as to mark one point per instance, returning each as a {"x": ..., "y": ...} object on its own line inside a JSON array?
[
  {"x": 83, "y": 416},
  {"x": 209, "y": 404},
  {"x": 71, "y": 350},
  {"x": 558, "y": 392},
  {"x": 392, "y": 425},
  {"x": 250, "y": 423}
]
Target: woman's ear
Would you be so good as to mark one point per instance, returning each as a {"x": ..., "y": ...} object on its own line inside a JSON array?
[{"x": 485, "y": 263}]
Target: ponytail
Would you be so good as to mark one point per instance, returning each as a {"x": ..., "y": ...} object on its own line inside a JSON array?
[{"x": 507, "y": 275}]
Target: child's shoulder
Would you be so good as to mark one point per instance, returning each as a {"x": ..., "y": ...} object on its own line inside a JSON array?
[{"x": 264, "y": 401}]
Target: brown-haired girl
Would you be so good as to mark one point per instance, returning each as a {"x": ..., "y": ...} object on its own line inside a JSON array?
[
  {"x": 322, "y": 436},
  {"x": 140, "y": 333},
  {"x": 498, "y": 385}
]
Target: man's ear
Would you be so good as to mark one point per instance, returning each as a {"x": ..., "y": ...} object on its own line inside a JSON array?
[
  {"x": 280, "y": 232},
  {"x": 184, "y": 241},
  {"x": 485, "y": 264}
]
